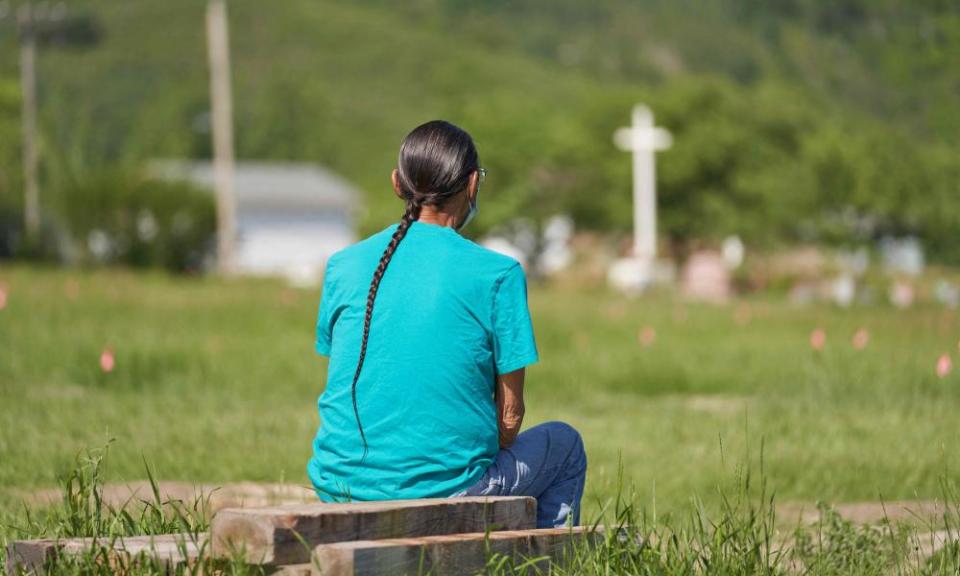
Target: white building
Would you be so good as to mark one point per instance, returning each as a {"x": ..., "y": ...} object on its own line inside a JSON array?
[{"x": 290, "y": 216}]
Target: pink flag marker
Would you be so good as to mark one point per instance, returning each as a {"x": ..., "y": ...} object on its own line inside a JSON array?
[
  {"x": 818, "y": 339},
  {"x": 860, "y": 339},
  {"x": 3, "y": 298},
  {"x": 944, "y": 366},
  {"x": 106, "y": 360},
  {"x": 647, "y": 336}
]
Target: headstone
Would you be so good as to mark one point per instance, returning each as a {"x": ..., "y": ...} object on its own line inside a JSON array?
[
  {"x": 504, "y": 246},
  {"x": 856, "y": 262},
  {"x": 843, "y": 289},
  {"x": 733, "y": 252},
  {"x": 902, "y": 255},
  {"x": 100, "y": 245},
  {"x": 516, "y": 239},
  {"x": 901, "y": 293},
  {"x": 556, "y": 254},
  {"x": 947, "y": 293},
  {"x": 632, "y": 275},
  {"x": 804, "y": 292},
  {"x": 147, "y": 227},
  {"x": 706, "y": 277}
]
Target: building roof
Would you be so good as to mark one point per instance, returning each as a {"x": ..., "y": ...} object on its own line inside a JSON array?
[{"x": 269, "y": 184}]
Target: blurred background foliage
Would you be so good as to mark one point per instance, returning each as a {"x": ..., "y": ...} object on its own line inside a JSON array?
[
  {"x": 829, "y": 121},
  {"x": 140, "y": 222}
]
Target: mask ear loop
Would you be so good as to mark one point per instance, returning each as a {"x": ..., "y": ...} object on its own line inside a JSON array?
[
  {"x": 474, "y": 208},
  {"x": 471, "y": 212}
]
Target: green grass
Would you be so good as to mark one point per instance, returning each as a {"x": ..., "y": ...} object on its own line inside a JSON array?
[
  {"x": 216, "y": 381},
  {"x": 741, "y": 537}
]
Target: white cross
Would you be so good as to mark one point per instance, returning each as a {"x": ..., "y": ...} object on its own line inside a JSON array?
[{"x": 643, "y": 139}]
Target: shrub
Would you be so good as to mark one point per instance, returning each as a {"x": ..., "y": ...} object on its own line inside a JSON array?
[{"x": 125, "y": 218}]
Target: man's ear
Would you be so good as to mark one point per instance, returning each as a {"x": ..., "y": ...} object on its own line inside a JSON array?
[
  {"x": 472, "y": 185},
  {"x": 396, "y": 184}
]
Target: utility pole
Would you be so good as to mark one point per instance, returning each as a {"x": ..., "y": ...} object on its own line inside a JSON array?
[
  {"x": 28, "y": 87},
  {"x": 38, "y": 25},
  {"x": 218, "y": 51}
]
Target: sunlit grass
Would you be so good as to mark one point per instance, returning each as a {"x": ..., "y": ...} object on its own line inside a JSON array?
[
  {"x": 741, "y": 536},
  {"x": 216, "y": 381}
]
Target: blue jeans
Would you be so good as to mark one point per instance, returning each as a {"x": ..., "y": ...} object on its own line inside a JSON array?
[{"x": 547, "y": 462}]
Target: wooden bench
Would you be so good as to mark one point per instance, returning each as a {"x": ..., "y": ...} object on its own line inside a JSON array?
[
  {"x": 167, "y": 550},
  {"x": 444, "y": 536},
  {"x": 287, "y": 534},
  {"x": 449, "y": 554}
]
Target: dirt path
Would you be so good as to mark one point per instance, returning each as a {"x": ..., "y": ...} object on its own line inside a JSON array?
[
  {"x": 923, "y": 512},
  {"x": 240, "y": 494}
]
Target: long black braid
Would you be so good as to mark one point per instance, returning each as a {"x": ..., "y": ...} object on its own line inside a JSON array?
[
  {"x": 409, "y": 215},
  {"x": 436, "y": 162}
]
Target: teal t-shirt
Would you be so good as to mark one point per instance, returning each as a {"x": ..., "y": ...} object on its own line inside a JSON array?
[{"x": 448, "y": 317}]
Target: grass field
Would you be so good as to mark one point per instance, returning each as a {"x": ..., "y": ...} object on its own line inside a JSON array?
[{"x": 216, "y": 381}]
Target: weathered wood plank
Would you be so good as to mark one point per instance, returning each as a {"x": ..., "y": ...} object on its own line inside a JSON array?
[
  {"x": 449, "y": 554},
  {"x": 293, "y": 570},
  {"x": 30, "y": 555},
  {"x": 169, "y": 550},
  {"x": 284, "y": 535}
]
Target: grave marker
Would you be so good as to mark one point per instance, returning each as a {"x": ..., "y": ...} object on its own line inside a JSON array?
[{"x": 643, "y": 139}]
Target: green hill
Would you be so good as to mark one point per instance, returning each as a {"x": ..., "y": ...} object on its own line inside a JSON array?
[{"x": 787, "y": 114}]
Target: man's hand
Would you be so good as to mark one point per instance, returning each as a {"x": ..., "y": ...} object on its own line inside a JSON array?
[{"x": 508, "y": 394}]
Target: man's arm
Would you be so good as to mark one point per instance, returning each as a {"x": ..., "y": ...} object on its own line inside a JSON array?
[{"x": 509, "y": 398}]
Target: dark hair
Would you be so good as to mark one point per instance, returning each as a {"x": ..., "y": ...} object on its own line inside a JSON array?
[{"x": 435, "y": 164}]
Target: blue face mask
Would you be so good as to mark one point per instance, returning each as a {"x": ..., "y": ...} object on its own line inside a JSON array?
[
  {"x": 470, "y": 214},
  {"x": 472, "y": 211}
]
